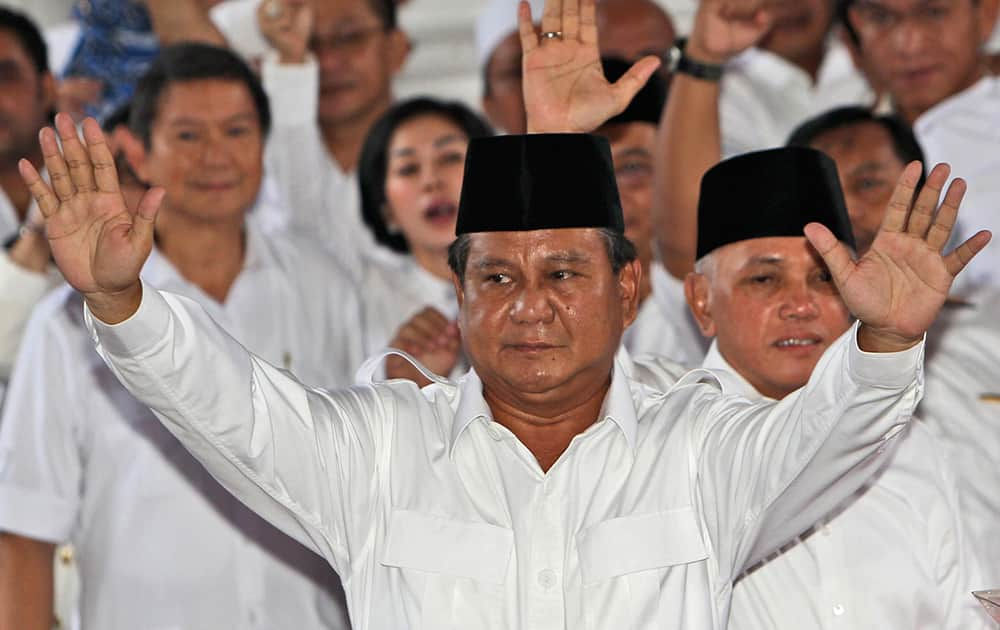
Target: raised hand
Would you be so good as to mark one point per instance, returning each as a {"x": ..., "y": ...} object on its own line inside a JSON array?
[
  {"x": 97, "y": 243},
  {"x": 430, "y": 338},
  {"x": 897, "y": 288},
  {"x": 724, "y": 28},
  {"x": 564, "y": 86},
  {"x": 286, "y": 25}
]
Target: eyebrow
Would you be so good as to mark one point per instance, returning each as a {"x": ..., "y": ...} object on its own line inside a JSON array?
[
  {"x": 763, "y": 260},
  {"x": 562, "y": 258},
  {"x": 184, "y": 120},
  {"x": 438, "y": 143},
  {"x": 868, "y": 167},
  {"x": 635, "y": 152}
]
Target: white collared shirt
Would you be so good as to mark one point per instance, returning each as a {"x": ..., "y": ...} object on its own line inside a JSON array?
[
  {"x": 894, "y": 555},
  {"x": 438, "y": 517},
  {"x": 160, "y": 544},
  {"x": 664, "y": 325},
  {"x": 964, "y": 131},
  {"x": 963, "y": 409},
  {"x": 764, "y": 97}
]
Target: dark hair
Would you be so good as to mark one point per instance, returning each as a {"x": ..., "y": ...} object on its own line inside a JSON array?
[
  {"x": 621, "y": 251},
  {"x": 904, "y": 142},
  {"x": 374, "y": 156},
  {"x": 28, "y": 36},
  {"x": 385, "y": 10},
  {"x": 842, "y": 15},
  {"x": 181, "y": 63}
]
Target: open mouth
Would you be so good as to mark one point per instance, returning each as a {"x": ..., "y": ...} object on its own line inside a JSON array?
[
  {"x": 797, "y": 342},
  {"x": 441, "y": 213}
]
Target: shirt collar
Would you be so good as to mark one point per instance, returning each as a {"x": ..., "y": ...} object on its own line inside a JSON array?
[
  {"x": 618, "y": 407},
  {"x": 732, "y": 381},
  {"x": 774, "y": 70},
  {"x": 984, "y": 93}
]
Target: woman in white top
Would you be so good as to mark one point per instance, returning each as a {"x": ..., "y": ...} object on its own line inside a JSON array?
[{"x": 410, "y": 174}]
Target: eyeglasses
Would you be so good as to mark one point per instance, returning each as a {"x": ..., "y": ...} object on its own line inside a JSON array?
[
  {"x": 350, "y": 41},
  {"x": 874, "y": 19}
]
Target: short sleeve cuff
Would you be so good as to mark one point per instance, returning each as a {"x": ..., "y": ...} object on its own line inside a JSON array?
[
  {"x": 885, "y": 369},
  {"x": 293, "y": 89},
  {"x": 36, "y": 516},
  {"x": 137, "y": 334}
]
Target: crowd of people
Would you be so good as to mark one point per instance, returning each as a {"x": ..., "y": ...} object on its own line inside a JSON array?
[{"x": 679, "y": 332}]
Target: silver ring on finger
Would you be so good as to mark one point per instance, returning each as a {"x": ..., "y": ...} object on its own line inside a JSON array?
[
  {"x": 552, "y": 35},
  {"x": 273, "y": 9}
]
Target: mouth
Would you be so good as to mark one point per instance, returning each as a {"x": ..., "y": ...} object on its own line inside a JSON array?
[
  {"x": 441, "y": 213},
  {"x": 797, "y": 343},
  {"x": 530, "y": 347},
  {"x": 215, "y": 186},
  {"x": 335, "y": 88},
  {"x": 917, "y": 75}
]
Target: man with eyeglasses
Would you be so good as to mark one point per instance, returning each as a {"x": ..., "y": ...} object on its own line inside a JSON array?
[{"x": 929, "y": 56}]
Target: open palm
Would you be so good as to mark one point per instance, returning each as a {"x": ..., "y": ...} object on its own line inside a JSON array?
[
  {"x": 97, "y": 243},
  {"x": 564, "y": 85},
  {"x": 900, "y": 284}
]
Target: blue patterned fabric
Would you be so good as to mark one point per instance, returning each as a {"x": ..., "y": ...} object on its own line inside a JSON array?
[{"x": 116, "y": 46}]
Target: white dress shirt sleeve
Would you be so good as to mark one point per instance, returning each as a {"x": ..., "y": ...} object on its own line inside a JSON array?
[
  {"x": 768, "y": 471},
  {"x": 320, "y": 199},
  {"x": 20, "y": 290},
  {"x": 41, "y": 467},
  {"x": 302, "y": 458},
  {"x": 237, "y": 21}
]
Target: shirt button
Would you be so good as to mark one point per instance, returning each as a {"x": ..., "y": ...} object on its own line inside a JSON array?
[
  {"x": 838, "y": 610},
  {"x": 547, "y": 579}
]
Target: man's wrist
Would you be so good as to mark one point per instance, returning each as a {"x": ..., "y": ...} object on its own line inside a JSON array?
[
  {"x": 115, "y": 307},
  {"x": 872, "y": 339}
]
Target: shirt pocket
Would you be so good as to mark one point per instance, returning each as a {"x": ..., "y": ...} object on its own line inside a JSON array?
[
  {"x": 457, "y": 569},
  {"x": 628, "y": 564}
]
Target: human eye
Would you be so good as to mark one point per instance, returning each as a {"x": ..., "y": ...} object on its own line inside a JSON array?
[
  {"x": 762, "y": 279},
  {"x": 407, "y": 170},
  {"x": 237, "y": 131},
  {"x": 497, "y": 278},
  {"x": 453, "y": 157},
  {"x": 187, "y": 135}
]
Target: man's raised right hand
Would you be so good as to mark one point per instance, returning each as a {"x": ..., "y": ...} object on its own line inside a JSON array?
[{"x": 97, "y": 243}]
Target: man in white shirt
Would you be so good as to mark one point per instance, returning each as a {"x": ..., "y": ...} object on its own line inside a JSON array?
[
  {"x": 27, "y": 98},
  {"x": 749, "y": 73},
  {"x": 159, "y": 543},
  {"x": 930, "y": 59},
  {"x": 546, "y": 489},
  {"x": 894, "y": 555}
]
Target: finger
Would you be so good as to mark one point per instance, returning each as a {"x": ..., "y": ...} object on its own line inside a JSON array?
[
  {"x": 956, "y": 261},
  {"x": 144, "y": 219},
  {"x": 944, "y": 222},
  {"x": 48, "y": 204},
  {"x": 571, "y": 19},
  {"x": 62, "y": 185},
  {"x": 526, "y": 28},
  {"x": 898, "y": 209},
  {"x": 103, "y": 160},
  {"x": 835, "y": 254},
  {"x": 588, "y": 22},
  {"x": 927, "y": 201},
  {"x": 632, "y": 81},
  {"x": 552, "y": 16},
  {"x": 80, "y": 171}
]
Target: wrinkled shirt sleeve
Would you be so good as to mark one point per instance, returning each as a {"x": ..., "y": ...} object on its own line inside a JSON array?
[{"x": 304, "y": 459}]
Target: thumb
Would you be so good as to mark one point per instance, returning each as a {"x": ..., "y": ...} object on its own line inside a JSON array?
[
  {"x": 145, "y": 216},
  {"x": 629, "y": 85},
  {"x": 835, "y": 254}
]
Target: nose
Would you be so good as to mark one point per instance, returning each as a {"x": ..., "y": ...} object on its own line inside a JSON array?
[
  {"x": 799, "y": 304},
  {"x": 215, "y": 151},
  {"x": 909, "y": 37},
  {"x": 431, "y": 177},
  {"x": 532, "y": 306}
]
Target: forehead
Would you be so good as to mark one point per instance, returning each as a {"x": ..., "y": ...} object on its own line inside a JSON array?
[
  {"x": 424, "y": 128},
  {"x": 205, "y": 100},
  {"x": 633, "y": 19},
  {"x": 11, "y": 51},
  {"x": 630, "y": 135},
  {"x": 536, "y": 246},
  {"x": 864, "y": 140},
  {"x": 788, "y": 252}
]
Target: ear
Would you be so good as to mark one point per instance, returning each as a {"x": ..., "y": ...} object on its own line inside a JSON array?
[
  {"x": 988, "y": 10},
  {"x": 49, "y": 92},
  {"x": 399, "y": 49},
  {"x": 629, "y": 279},
  {"x": 134, "y": 150},
  {"x": 696, "y": 292}
]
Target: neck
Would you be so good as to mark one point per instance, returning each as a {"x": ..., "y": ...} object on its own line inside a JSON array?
[
  {"x": 646, "y": 281},
  {"x": 547, "y": 430},
  {"x": 209, "y": 255},
  {"x": 810, "y": 62},
  {"x": 344, "y": 139},
  {"x": 13, "y": 186},
  {"x": 434, "y": 262},
  {"x": 911, "y": 114}
]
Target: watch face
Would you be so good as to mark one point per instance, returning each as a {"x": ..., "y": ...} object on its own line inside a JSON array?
[{"x": 673, "y": 57}]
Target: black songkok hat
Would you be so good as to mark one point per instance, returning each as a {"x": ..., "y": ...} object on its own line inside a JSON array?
[
  {"x": 647, "y": 104},
  {"x": 539, "y": 182},
  {"x": 770, "y": 193}
]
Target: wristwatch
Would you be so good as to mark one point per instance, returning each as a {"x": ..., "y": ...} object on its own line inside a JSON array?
[{"x": 678, "y": 61}]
